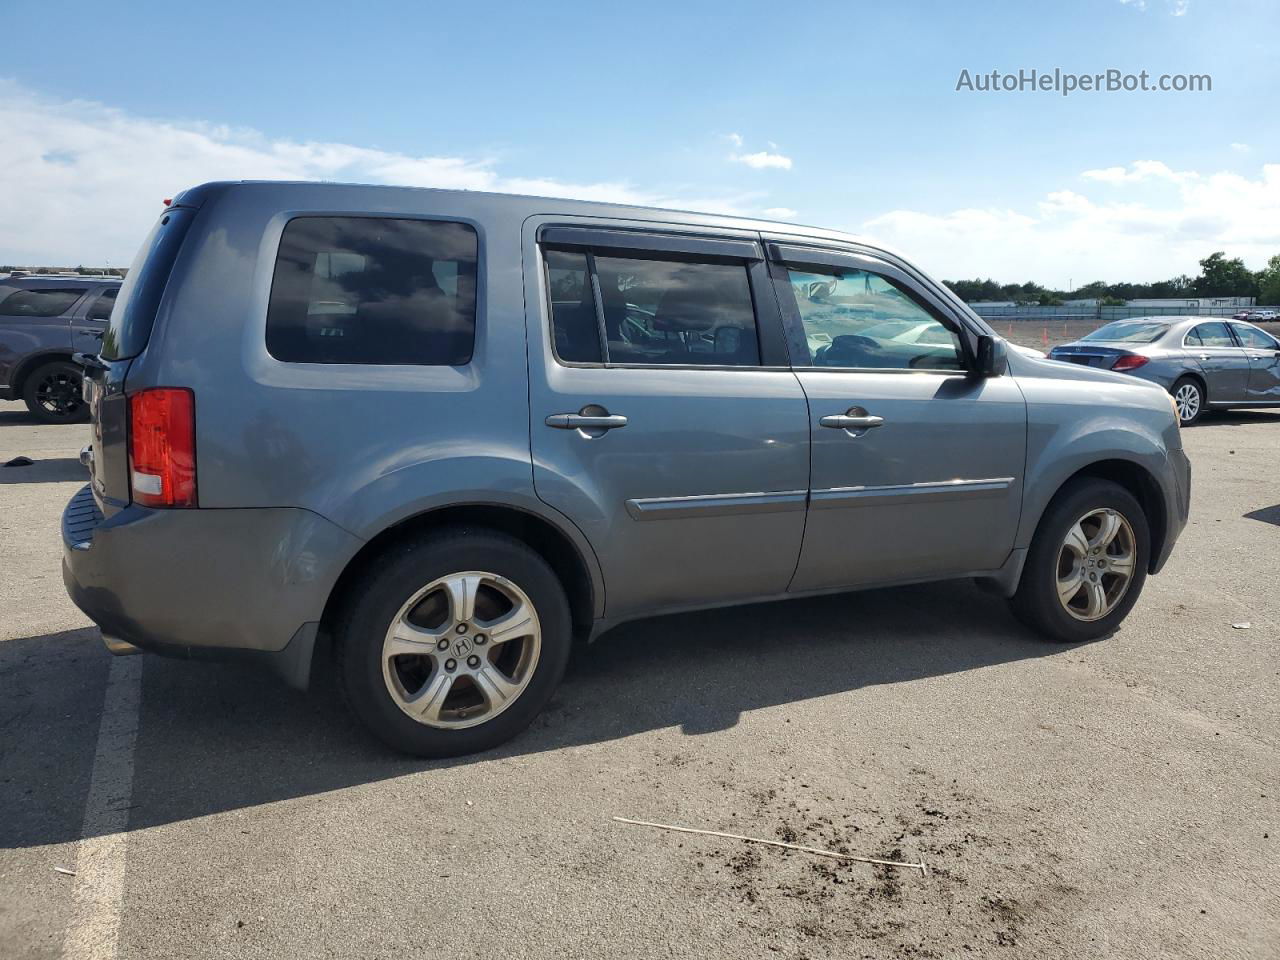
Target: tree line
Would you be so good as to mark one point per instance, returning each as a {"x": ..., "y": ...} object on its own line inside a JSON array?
[
  {"x": 82, "y": 270},
  {"x": 1220, "y": 276}
]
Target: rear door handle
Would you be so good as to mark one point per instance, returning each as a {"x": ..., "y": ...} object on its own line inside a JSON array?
[
  {"x": 843, "y": 421},
  {"x": 582, "y": 421}
]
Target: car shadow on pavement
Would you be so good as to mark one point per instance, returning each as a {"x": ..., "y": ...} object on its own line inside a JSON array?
[
  {"x": 1266, "y": 514},
  {"x": 53, "y": 470},
  {"x": 219, "y": 737},
  {"x": 1239, "y": 418}
]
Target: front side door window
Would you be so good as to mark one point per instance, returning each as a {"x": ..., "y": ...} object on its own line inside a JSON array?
[{"x": 856, "y": 319}]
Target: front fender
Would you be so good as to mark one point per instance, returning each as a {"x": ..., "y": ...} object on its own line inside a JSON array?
[{"x": 1067, "y": 433}]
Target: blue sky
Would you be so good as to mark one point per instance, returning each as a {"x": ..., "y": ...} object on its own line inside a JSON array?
[{"x": 839, "y": 114}]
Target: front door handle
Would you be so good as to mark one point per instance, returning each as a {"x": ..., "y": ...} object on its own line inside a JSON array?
[
  {"x": 844, "y": 421},
  {"x": 592, "y": 421}
]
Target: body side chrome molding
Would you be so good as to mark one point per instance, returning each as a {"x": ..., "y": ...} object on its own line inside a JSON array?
[
  {"x": 716, "y": 505},
  {"x": 837, "y": 497}
]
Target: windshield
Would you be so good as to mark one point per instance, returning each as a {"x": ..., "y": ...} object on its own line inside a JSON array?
[{"x": 1129, "y": 331}]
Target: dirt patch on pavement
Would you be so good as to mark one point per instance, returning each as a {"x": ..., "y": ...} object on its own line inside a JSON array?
[{"x": 981, "y": 892}]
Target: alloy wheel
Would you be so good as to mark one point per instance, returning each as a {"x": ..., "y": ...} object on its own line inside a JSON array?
[
  {"x": 60, "y": 393},
  {"x": 1096, "y": 564},
  {"x": 1187, "y": 398},
  {"x": 461, "y": 650}
]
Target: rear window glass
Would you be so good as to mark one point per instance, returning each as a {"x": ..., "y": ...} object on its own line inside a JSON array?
[
  {"x": 374, "y": 290},
  {"x": 139, "y": 296},
  {"x": 1129, "y": 331},
  {"x": 38, "y": 301}
]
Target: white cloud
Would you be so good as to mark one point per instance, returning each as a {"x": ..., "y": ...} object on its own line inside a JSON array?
[
  {"x": 81, "y": 182},
  {"x": 1140, "y": 170},
  {"x": 1240, "y": 147},
  {"x": 1177, "y": 8},
  {"x": 779, "y": 213},
  {"x": 734, "y": 138},
  {"x": 763, "y": 160},
  {"x": 1150, "y": 222}
]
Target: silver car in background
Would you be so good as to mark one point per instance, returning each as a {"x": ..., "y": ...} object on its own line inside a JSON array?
[{"x": 1203, "y": 362}]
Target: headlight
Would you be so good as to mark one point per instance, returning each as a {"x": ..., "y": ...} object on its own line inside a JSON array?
[{"x": 1174, "y": 404}]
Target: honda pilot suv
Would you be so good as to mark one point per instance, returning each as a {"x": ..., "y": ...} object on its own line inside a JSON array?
[{"x": 452, "y": 432}]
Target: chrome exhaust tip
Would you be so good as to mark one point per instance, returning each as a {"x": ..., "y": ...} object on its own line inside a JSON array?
[{"x": 118, "y": 647}]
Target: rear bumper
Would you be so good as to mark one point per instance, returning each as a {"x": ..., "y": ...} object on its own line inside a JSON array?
[{"x": 205, "y": 584}]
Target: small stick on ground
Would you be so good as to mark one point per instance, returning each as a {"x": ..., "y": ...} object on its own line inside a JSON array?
[{"x": 924, "y": 871}]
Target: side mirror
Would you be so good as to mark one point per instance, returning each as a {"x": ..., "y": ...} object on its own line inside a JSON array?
[{"x": 991, "y": 357}]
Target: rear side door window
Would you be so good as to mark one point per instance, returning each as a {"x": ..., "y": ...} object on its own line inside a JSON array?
[
  {"x": 640, "y": 310},
  {"x": 374, "y": 290},
  {"x": 1214, "y": 335},
  {"x": 38, "y": 301}
]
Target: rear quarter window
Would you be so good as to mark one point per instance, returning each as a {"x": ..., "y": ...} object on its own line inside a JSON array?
[{"x": 374, "y": 290}]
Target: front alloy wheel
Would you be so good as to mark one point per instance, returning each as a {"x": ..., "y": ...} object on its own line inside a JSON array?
[
  {"x": 1095, "y": 564},
  {"x": 1087, "y": 562}
]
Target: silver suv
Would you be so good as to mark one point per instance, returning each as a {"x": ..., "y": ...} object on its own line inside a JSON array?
[{"x": 455, "y": 431}]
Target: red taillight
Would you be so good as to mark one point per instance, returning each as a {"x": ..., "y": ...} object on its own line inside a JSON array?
[
  {"x": 162, "y": 447},
  {"x": 1131, "y": 362}
]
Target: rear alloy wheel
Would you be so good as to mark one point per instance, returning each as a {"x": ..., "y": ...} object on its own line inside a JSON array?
[
  {"x": 453, "y": 643},
  {"x": 53, "y": 392},
  {"x": 461, "y": 650},
  {"x": 1087, "y": 563},
  {"x": 1188, "y": 395}
]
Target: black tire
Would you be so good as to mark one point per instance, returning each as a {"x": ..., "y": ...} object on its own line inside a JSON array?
[
  {"x": 390, "y": 581},
  {"x": 1036, "y": 602},
  {"x": 1190, "y": 384},
  {"x": 53, "y": 392}
]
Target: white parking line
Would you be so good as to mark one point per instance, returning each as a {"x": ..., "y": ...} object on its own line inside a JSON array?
[{"x": 94, "y": 931}]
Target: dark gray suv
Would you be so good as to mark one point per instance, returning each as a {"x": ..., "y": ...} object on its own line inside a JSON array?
[
  {"x": 453, "y": 431},
  {"x": 44, "y": 322}
]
